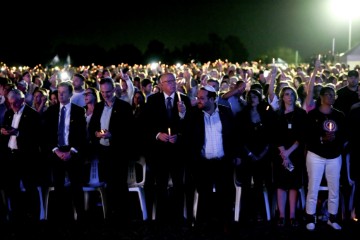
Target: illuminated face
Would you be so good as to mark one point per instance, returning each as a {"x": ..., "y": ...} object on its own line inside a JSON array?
[
  {"x": 138, "y": 99},
  {"x": 203, "y": 102},
  {"x": 289, "y": 97},
  {"x": 64, "y": 95},
  {"x": 37, "y": 97},
  {"x": 254, "y": 100},
  {"x": 107, "y": 91},
  {"x": 224, "y": 87},
  {"x": 38, "y": 82},
  {"x": 353, "y": 81},
  {"x": 27, "y": 78},
  {"x": 106, "y": 74},
  {"x": 89, "y": 97},
  {"x": 53, "y": 99},
  {"x": 148, "y": 88},
  {"x": 77, "y": 82},
  {"x": 15, "y": 103},
  {"x": 168, "y": 84},
  {"x": 328, "y": 98}
]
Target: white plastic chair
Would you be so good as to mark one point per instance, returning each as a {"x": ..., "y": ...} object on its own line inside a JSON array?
[
  {"x": 300, "y": 203},
  {"x": 353, "y": 186},
  {"x": 135, "y": 186},
  {"x": 302, "y": 197},
  {"x": 341, "y": 200},
  {"x": 170, "y": 185},
  {"x": 47, "y": 195},
  {"x": 22, "y": 188},
  {"x": 238, "y": 191},
  {"x": 196, "y": 201},
  {"x": 94, "y": 184},
  {"x": 237, "y": 198}
]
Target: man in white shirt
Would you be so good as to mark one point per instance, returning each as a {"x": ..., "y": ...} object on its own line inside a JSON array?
[
  {"x": 22, "y": 130},
  {"x": 78, "y": 96}
]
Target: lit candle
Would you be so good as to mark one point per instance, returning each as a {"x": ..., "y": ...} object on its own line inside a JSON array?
[
  {"x": 273, "y": 61},
  {"x": 319, "y": 56},
  {"x": 331, "y": 126},
  {"x": 169, "y": 131},
  {"x": 179, "y": 96}
]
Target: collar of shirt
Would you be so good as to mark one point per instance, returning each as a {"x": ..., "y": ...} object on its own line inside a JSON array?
[
  {"x": 20, "y": 110},
  {"x": 172, "y": 96},
  {"x": 112, "y": 102},
  {"x": 67, "y": 106},
  {"x": 215, "y": 111}
]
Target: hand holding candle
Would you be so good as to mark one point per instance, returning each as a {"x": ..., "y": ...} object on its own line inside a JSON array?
[{"x": 180, "y": 104}]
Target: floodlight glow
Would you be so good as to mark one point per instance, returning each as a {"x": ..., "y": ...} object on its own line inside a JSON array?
[
  {"x": 349, "y": 7},
  {"x": 64, "y": 76},
  {"x": 154, "y": 66}
]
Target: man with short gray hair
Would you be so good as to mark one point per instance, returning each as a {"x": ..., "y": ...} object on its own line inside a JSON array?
[{"x": 22, "y": 131}]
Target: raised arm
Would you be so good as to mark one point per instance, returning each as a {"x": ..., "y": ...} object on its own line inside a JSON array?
[
  {"x": 271, "y": 79},
  {"x": 309, "y": 100}
]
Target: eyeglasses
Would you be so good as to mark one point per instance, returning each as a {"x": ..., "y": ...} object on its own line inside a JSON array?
[
  {"x": 168, "y": 82},
  {"x": 88, "y": 93}
]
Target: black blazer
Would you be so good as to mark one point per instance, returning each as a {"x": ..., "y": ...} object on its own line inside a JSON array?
[
  {"x": 29, "y": 128},
  {"x": 77, "y": 131},
  {"x": 198, "y": 131},
  {"x": 156, "y": 119},
  {"x": 121, "y": 125}
]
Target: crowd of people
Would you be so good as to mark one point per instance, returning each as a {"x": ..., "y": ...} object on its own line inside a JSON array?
[{"x": 204, "y": 126}]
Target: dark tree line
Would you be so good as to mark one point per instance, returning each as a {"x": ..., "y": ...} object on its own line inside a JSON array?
[{"x": 15, "y": 52}]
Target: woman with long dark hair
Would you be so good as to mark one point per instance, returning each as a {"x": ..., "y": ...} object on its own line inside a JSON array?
[
  {"x": 253, "y": 126},
  {"x": 290, "y": 160}
]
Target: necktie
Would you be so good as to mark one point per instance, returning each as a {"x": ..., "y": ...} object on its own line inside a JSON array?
[
  {"x": 168, "y": 107},
  {"x": 61, "y": 129}
]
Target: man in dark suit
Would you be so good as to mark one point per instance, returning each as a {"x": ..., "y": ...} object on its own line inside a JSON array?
[
  {"x": 111, "y": 131},
  {"x": 5, "y": 84},
  {"x": 213, "y": 152},
  {"x": 165, "y": 117},
  {"x": 21, "y": 129},
  {"x": 65, "y": 144}
]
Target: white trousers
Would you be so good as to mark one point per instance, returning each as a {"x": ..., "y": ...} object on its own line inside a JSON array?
[{"x": 316, "y": 166}]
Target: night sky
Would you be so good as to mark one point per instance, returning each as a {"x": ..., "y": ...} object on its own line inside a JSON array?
[{"x": 308, "y": 26}]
